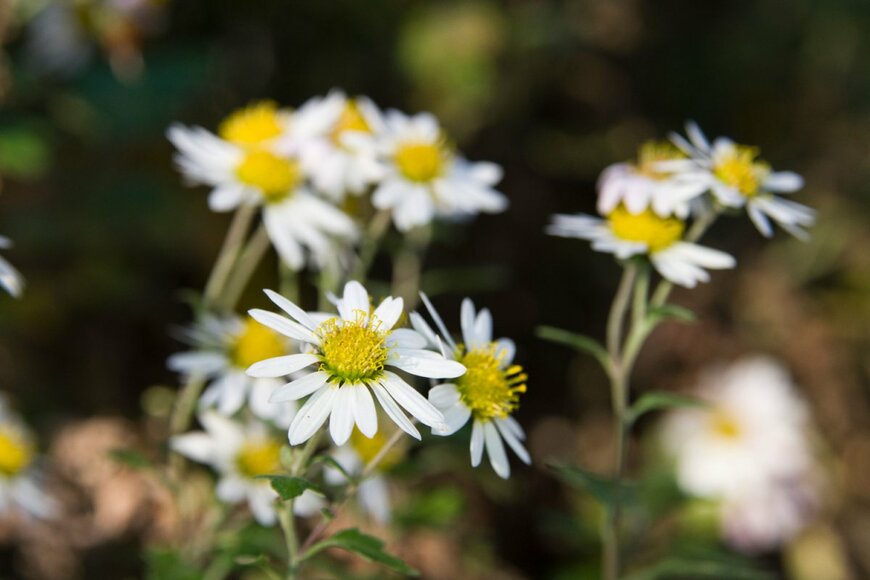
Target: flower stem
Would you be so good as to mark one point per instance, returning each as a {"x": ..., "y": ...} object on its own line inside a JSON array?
[
  {"x": 229, "y": 252},
  {"x": 371, "y": 241},
  {"x": 408, "y": 265},
  {"x": 247, "y": 265}
]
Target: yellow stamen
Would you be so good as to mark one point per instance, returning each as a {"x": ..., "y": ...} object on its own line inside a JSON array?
[
  {"x": 274, "y": 176},
  {"x": 16, "y": 453},
  {"x": 351, "y": 119},
  {"x": 353, "y": 352},
  {"x": 653, "y": 152},
  {"x": 742, "y": 171},
  {"x": 252, "y": 125},
  {"x": 656, "y": 232},
  {"x": 255, "y": 343},
  {"x": 421, "y": 162},
  {"x": 725, "y": 424},
  {"x": 487, "y": 389},
  {"x": 259, "y": 458},
  {"x": 368, "y": 449}
]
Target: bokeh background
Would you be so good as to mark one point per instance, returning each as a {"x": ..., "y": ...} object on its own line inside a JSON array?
[{"x": 109, "y": 239}]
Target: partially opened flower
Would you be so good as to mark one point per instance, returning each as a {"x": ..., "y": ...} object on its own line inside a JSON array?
[
  {"x": 239, "y": 453},
  {"x": 425, "y": 177},
  {"x": 487, "y": 394},
  {"x": 346, "y": 361},
  {"x": 10, "y": 279},
  {"x": 19, "y": 473},
  {"x": 736, "y": 177},
  {"x": 254, "y": 162},
  {"x": 338, "y": 146},
  {"x": 223, "y": 348},
  {"x": 625, "y": 234}
]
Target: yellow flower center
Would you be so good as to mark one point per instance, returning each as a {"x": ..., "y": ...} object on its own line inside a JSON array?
[
  {"x": 367, "y": 449},
  {"x": 487, "y": 389},
  {"x": 353, "y": 352},
  {"x": 656, "y": 232},
  {"x": 259, "y": 458},
  {"x": 351, "y": 119},
  {"x": 725, "y": 425},
  {"x": 252, "y": 125},
  {"x": 421, "y": 162},
  {"x": 274, "y": 176},
  {"x": 16, "y": 452},
  {"x": 653, "y": 152},
  {"x": 255, "y": 343},
  {"x": 742, "y": 171}
]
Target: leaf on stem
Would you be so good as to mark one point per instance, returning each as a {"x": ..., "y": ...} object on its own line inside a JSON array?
[
  {"x": 657, "y": 314},
  {"x": 604, "y": 489},
  {"x": 576, "y": 341},
  {"x": 289, "y": 487},
  {"x": 658, "y": 400},
  {"x": 369, "y": 547}
]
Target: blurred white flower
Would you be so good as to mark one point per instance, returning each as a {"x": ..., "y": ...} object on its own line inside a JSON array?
[
  {"x": 10, "y": 278},
  {"x": 239, "y": 452},
  {"x": 425, "y": 178},
  {"x": 488, "y": 393},
  {"x": 625, "y": 234},
  {"x": 223, "y": 348},
  {"x": 351, "y": 352}
]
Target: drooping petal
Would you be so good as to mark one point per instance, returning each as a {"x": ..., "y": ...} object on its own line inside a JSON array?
[
  {"x": 412, "y": 401},
  {"x": 476, "y": 443},
  {"x": 393, "y": 411},
  {"x": 365, "y": 415},
  {"x": 495, "y": 449},
  {"x": 342, "y": 418},
  {"x": 312, "y": 415}
]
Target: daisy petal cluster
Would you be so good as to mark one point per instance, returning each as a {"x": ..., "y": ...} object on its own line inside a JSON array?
[
  {"x": 346, "y": 358},
  {"x": 10, "y": 279},
  {"x": 748, "y": 450},
  {"x": 20, "y": 486},
  {"x": 487, "y": 394}
]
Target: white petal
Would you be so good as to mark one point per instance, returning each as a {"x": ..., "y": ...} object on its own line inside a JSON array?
[
  {"x": 512, "y": 440},
  {"x": 455, "y": 418},
  {"x": 197, "y": 446},
  {"x": 197, "y": 362},
  {"x": 443, "y": 396},
  {"x": 438, "y": 322},
  {"x": 375, "y": 498},
  {"x": 389, "y": 312},
  {"x": 424, "y": 363},
  {"x": 294, "y": 311},
  {"x": 505, "y": 349},
  {"x": 412, "y": 401},
  {"x": 482, "y": 329},
  {"x": 495, "y": 449},
  {"x": 783, "y": 181},
  {"x": 365, "y": 415},
  {"x": 283, "y": 325},
  {"x": 299, "y": 388},
  {"x": 466, "y": 320},
  {"x": 312, "y": 415},
  {"x": 406, "y": 337},
  {"x": 393, "y": 411},
  {"x": 341, "y": 419},
  {"x": 281, "y": 366},
  {"x": 355, "y": 298},
  {"x": 476, "y": 443}
]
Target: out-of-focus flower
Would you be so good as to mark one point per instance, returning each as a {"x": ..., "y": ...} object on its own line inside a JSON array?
[
  {"x": 338, "y": 143},
  {"x": 736, "y": 177},
  {"x": 426, "y": 178},
  {"x": 749, "y": 450},
  {"x": 239, "y": 453},
  {"x": 625, "y": 234},
  {"x": 10, "y": 278},
  {"x": 254, "y": 161},
  {"x": 488, "y": 392},
  {"x": 223, "y": 349},
  {"x": 19, "y": 474},
  {"x": 351, "y": 352}
]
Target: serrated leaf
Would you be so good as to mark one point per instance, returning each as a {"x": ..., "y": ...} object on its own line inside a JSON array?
[
  {"x": 289, "y": 487},
  {"x": 130, "y": 458},
  {"x": 658, "y": 400},
  {"x": 576, "y": 341},
  {"x": 604, "y": 489},
  {"x": 670, "y": 311},
  {"x": 369, "y": 547}
]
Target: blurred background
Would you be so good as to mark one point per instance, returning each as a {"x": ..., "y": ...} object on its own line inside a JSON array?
[{"x": 109, "y": 238}]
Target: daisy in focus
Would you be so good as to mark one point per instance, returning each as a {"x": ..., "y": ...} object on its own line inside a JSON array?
[
  {"x": 338, "y": 137},
  {"x": 345, "y": 360},
  {"x": 239, "y": 453},
  {"x": 19, "y": 475},
  {"x": 10, "y": 279},
  {"x": 487, "y": 394},
  {"x": 737, "y": 178},
  {"x": 223, "y": 349},
  {"x": 749, "y": 451},
  {"x": 625, "y": 234},
  {"x": 253, "y": 162},
  {"x": 426, "y": 178}
]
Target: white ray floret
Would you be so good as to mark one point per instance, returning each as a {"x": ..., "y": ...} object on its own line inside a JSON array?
[{"x": 10, "y": 278}]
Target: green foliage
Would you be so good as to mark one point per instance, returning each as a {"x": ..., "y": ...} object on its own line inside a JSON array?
[
  {"x": 24, "y": 154},
  {"x": 686, "y": 569},
  {"x": 289, "y": 487},
  {"x": 369, "y": 547},
  {"x": 604, "y": 489},
  {"x": 576, "y": 341},
  {"x": 435, "y": 508},
  {"x": 658, "y": 314},
  {"x": 130, "y": 458},
  {"x": 164, "y": 564},
  {"x": 659, "y": 400}
]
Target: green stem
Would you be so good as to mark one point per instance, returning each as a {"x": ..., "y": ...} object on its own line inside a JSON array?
[
  {"x": 698, "y": 229},
  {"x": 229, "y": 252},
  {"x": 285, "y": 513},
  {"x": 247, "y": 265},
  {"x": 408, "y": 266},
  {"x": 617, "y": 312},
  {"x": 371, "y": 241}
]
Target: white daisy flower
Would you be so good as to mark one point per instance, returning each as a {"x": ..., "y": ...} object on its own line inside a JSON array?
[
  {"x": 252, "y": 163},
  {"x": 223, "y": 349},
  {"x": 736, "y": 177},
  {"x": 239, "y": 453},
  {"x": 19, "y": 474},
  {"x": 488, "y": 392},
  {"x": 426, "y": 178},
  {"x": 338, "y": 146},
  {"x": 625, "y": 234},
  {"x": 10, "y": 278},
  {"x": 351, "y": 352},
  {"x": 640, "y": 185}
]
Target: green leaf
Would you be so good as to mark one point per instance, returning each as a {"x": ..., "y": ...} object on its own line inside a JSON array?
[
  {"x": 330, "y": 461},
  {"x": 602, "y": 488},
  {"x": 576, "y": 341},
  {"x": 712, "y": 570},
  {"x": 670, "y": 311},
  {"x": 130, "y": 458},
  {"x": 369, "y": 547},
  {"x": 289, "y": 487},
  {"x": 658, "y": 400}
]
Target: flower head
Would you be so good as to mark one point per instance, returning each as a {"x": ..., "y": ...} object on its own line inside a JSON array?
[
  {"x": 10, "y": 279},
  {"x": 19, "y": 470}
]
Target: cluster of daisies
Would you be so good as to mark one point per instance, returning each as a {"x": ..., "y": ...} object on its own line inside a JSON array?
[
  {"x": 318, "y": 172},
  {"x": 749, "y": 452},
  {"x": 646, "y": 206}
]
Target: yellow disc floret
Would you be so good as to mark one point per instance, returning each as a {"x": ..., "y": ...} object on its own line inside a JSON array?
[
  {"x": 653, "y": 152},
  {"x": 274, "y": 176},
  {"x": 367, "y": 449},
  {"x": 252, "y": 125},
  {"x": 351, "y": 119},
  {"x": 724, "y": 424},
  {"x": 741, "y": 170},
  {"x": 487, "y": 388},
  {"x": 353, "y": 351},
  {"x": 646, "y": 227},
  {"x": 259, "y": 457},
  {"x": 421, "y": 162},
  {"x": 255, "y": 343},
  {"x": 16, "y": 452}
]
